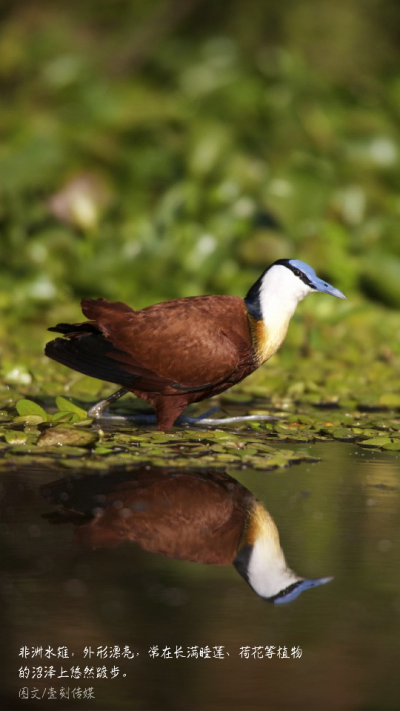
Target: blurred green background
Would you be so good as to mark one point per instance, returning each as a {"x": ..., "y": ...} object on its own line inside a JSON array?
[
  {"x": 152, "y": 149},
  {"x": 164, "y": 148}
]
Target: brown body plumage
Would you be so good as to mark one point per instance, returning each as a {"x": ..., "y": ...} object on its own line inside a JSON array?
[
  {"x": 169, "y": 355},
  {"x": 183, "y": 351}
]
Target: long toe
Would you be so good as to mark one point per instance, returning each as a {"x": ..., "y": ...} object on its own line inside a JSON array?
[{"x": 225, "y": 420}]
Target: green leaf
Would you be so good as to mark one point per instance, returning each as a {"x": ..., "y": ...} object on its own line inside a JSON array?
[
  {"x": 63, "y": 416},
  {"x": 29, "y": 419},
  {"x": 84, "y": 423},
  {"x": 28, "y": 407},
  {"x": 67, "y": 406},
  {"x": 103, "y": 450},
  {"x": 392, "y": 447},
  {"x": 342, "y": 433},
  {"x": 70, "y": 417},
  {"x": 13, "y": 437},
  {"x": 376, "y": 442}
]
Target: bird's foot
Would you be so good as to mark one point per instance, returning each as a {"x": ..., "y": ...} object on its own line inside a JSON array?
[
  {"x": 203, "y": 420},
  {"x": 143, "y": 419},
  {"x": 200, "y": 421},
  {"x": 137, "y": 420},
  {"x": 97, "y": 410}
]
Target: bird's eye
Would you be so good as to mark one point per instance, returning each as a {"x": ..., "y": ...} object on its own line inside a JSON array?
[{"x": 297, "y": 272}]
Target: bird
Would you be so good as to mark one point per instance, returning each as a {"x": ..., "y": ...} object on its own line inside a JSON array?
[
  {"x": 203, "y": 516},
  {"x": 182, "y": 351}
]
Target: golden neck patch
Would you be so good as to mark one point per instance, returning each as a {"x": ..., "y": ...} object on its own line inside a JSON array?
[{"x": 266, "y": 340}]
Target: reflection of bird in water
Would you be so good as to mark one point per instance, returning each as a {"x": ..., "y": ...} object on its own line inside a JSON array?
[
  {"x": 203, "y": 517},
  {"x": 186, "y": 350}
]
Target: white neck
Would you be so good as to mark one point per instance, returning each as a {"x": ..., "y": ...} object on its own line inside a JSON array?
[{"x": 280, "y": 293}]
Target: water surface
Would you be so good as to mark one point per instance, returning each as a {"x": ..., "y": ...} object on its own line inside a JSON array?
[{"x": 339, "y": 517}]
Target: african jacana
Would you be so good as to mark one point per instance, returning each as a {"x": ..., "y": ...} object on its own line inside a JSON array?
[{"x": 183, "y": 351}]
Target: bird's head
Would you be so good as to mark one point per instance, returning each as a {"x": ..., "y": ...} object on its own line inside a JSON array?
[
  {"x": 302, "y": 279},
  {"x": 283, "y": 285}
]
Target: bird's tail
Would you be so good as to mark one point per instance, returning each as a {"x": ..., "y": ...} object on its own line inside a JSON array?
[{"x": 89, "y": 353}]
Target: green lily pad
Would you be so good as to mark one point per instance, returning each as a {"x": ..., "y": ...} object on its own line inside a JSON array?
[
  {"x": 304, "y": 419},
  {"x": 327, "y": 429},
  {"x": 394, "y": 424},
  {"x": 343, "y": 434},
  {"x": 217, "y": 448},
  {"x": 247, "y": 452},
  {"x": 368, "y": 433},
  {"x": 285, "y": 428},
  {"x": 300, "y": 438},
  {"x": 227, "y": 458},
  {"x": 376, "y": 442},
  {"x": 381, "y": 425},
  {"x": 392, "y": 447},
  {"x": 163, "y": 439}
]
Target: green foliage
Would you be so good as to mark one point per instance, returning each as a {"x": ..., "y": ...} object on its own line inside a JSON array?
[
  {"x": 28, "y": 408},
  {"x": 65, "y": 406},
  {"x": 66, "y": 416},
  {"x": 190, "y": 176},
  {"x": 184, "y": 164},
  {"x": 31, "y": 413}
]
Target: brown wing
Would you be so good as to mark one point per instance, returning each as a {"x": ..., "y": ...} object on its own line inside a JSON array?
[{"x": 190, "y": 342}]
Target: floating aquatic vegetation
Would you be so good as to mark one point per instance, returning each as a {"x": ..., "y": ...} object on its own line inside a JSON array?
[
  {"x": 62, "y": 435},
  {"x": 67, "y": 438},
  {"x": 45, "y": 438}
]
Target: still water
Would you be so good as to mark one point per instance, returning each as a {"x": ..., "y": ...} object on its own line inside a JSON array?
[{"x": 220, "y": 646}]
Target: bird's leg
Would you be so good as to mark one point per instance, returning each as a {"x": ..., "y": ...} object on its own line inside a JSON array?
[
  {"x": 97, "y": 410},
  {"x": 146, "y": 420},
  {"x": 141, "y": 420},
  {"x": 205, "y": 420}
]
